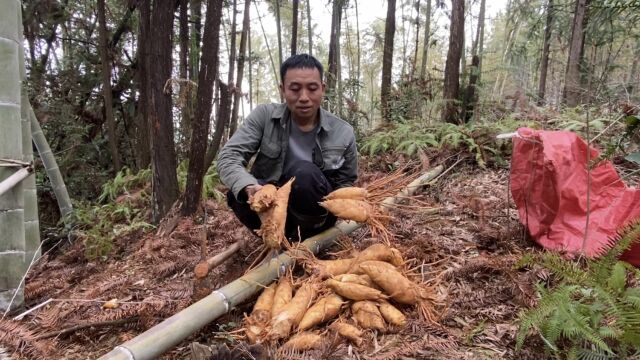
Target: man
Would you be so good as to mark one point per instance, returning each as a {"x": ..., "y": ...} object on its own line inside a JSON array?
[{"x": 296, "y": 139}]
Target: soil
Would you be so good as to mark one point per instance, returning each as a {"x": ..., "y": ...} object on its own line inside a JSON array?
[{"x": 462, "y": 230}]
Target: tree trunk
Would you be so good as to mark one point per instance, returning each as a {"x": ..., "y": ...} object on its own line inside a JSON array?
[
  {"x": 163, "y": 154},
  {"x": 266, "y": 42},
  {"x": 404, "y": 38},
  {"x": 237, "y": 91},
  {"x": 199, "y": 135},
  {"x": 479, "y": 43},
  {"x": 544, "y": 62},
  {"x": 334, "y": 46},
  {"x": 143, "y": 144},
  {"x": 425, "y": 44},
  {"x": 279, "y": 31},
  {"x": 632, "y": 77},
  {"x": 294, "y": 28},
  {"x": 471, "y": 96},
  {"x": 195, "y": 38},
  {"x": 232, "y": 62},
  {"x": 451, "y": 88},
  {"x": 225, "y": 98},
  {"x": 250, "y": 58},
  {"x": 185, "y": 88},
  {"x": 309, "y": 28},
  {"x": 387, "y": 59},
  {"x": 105, "y": 59},
  {"x": 359, "y": 55},
  {"x": 414, "y": 63},
  {"x": 12, "y": 241},
  {"x": 572, "y": 88}
]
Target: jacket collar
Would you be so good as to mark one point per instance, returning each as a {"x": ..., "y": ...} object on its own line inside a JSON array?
[{"x": 282, "y": 113}]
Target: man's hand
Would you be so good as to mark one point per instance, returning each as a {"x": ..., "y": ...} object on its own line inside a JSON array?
[{"x": 252, "y": 190}]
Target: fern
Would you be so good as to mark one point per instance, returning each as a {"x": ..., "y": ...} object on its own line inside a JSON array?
[{"x": 590, "y": 312}]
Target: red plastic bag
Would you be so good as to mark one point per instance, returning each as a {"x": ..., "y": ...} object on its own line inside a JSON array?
[{"x": 549, "y": 182}]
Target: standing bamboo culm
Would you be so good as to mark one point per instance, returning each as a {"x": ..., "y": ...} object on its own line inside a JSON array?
[
  {"x": 31, "y": 221},
  {"x": 12, "y": 241}
]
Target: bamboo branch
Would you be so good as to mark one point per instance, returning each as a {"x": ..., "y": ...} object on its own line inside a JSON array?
[
  {"x": 8, "y": 183},
  {"x": 202, "y": 269}
]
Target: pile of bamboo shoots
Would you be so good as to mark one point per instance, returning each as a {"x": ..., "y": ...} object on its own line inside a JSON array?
[{"x": 348, "y": 297}]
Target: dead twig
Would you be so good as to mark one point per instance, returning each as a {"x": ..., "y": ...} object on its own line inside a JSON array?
[{"x": 84, "y": 326}]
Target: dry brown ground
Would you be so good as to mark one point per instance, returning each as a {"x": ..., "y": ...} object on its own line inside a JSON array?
[{"x": 471, "y": 242}]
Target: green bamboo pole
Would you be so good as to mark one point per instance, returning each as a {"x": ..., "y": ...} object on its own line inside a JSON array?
[
  {"x": 50, "y": 165},
  {"x": 12, "y": 231},
  {"x": 31, "y": 221},
  {"x": 160, "y": 338}
]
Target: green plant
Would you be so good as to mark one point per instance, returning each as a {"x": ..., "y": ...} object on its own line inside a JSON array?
[
  {"x": 593, "y": 309},
  {"x": 99, "y": 225},
  {"x": 209, "y": 182},
  {"x": 123, "y": 182},
  {"x": 478, "y": 139}
]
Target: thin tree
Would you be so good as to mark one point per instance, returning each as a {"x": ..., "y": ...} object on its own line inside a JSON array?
[
  {"x": 572, "y": 86},
  {"x": 544, "y": 61},
  {"x": 414, "y": 63},
  {"x": 237, "y": 91},
  {"x": 214, "y": 146},
  {"x": 451, "y": 88},
  {"x": 195, "y": 38},
  {"x": 208, "y": 73},
  {"x": 106, "y": 85},
  {"x": 425, "y": 43},
  {"x": 164, "y": 181},
  {"x": 309, "y": 28},
  {"x": 632, "y": 76},
  {"x": 185, "y": 125},
  {"x": 250, "y": 58},
  {"x": 387, "y": 59},
  {"x": 471, "y": 96},
  {"x": 230, "y": 75},
  {"x": 359, "y": 50},
  {"x": 478, "y": 43},
  {"x": 143, "y": 158},
  {"x": 279, "y": 32},
  {"x": 294, "y": 27},
  {"x": 334, "y": 54}
]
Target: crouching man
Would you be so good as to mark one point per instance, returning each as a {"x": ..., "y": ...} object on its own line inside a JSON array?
[{"x": 296, "y": 139}]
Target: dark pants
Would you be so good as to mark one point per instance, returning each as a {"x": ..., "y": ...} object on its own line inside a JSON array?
[{"x": 303, "y": 212}]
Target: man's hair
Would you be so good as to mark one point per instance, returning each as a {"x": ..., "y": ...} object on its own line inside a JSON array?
[{"x": 300, "y": 61}]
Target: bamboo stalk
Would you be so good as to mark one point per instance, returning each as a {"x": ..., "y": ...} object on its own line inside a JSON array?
[
  {"x": 50, "y": 165},
  {"x": 202, "y": 269},
  {"x": 160, "y": 338},
  {"x": 8, "y": 183}
]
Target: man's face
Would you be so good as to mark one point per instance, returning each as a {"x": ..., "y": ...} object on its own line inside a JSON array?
[{"x": 303, "y": 90}]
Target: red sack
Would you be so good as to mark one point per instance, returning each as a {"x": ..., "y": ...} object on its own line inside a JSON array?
[{"x": 549, "y": 184}]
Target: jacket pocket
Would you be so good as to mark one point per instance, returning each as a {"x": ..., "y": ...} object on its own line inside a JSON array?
[
  {"x": 267, "y": 160},
  {"x": 333, "y": 157}
]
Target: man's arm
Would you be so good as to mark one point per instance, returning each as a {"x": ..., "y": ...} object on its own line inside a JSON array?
[
  {"x": 236, "y": 153},
  {"x": 348, "y": 173}
]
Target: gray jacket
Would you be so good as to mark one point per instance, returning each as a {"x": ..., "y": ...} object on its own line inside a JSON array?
[{"x": 266, "y": 132}]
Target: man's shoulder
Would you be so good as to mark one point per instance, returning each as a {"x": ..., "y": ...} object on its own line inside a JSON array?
[
  {"x": 269, "y": 111},
  {"x": 336, "y": 123}
]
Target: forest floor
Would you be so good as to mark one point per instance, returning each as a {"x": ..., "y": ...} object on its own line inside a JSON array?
[{"x": 471, "y": 240}]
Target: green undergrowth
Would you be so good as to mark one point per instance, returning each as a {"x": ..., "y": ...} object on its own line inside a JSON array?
[
  {"x": 123, "y": 209},
  {"x": 589, "y": 308},
  {"x": 477, "y": 139}
]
